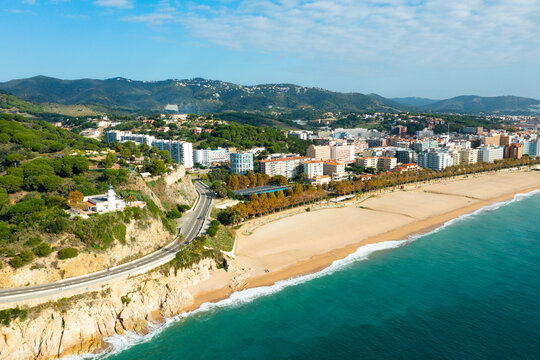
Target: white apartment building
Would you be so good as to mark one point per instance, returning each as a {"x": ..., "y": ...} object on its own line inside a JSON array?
[
  {"x": 179, "y": 150},
  {"x": 434, "y": 160},
  {"x": 490, "y": 154},
  {"x": 208, "y": 157},
  {"x": 313, "y": 168},
  {"x": 289, "y": 167},
  {"x": 386, "y": 163},
  {"x": 343, "y": 153},
  {"x": 367, "y": 162}
]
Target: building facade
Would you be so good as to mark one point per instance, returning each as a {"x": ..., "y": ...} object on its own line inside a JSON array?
[
  {"x": 313, "y": 168},
  {"x": 319, "y": 152},
  {"x": 334, "y": 169},
  {"x": 513, "y": 151},
  {"x": 209, "y": 157},
  {"x": 288, "y": 167},
  {"x": 241, "y": 162},
  {"x": 490, "y": 154},
  {"x": 342, "y": 153}
]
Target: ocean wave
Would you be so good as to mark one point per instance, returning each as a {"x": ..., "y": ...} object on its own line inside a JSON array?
[{"x": 118, "y": 343}]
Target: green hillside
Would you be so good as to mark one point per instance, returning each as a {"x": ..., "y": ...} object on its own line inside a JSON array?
[{"x": 192, "y": 96}]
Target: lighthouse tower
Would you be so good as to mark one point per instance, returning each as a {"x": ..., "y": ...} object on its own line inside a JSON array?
[{"x": 111, "y": 198}]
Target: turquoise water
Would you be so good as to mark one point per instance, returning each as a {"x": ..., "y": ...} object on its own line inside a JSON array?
[{"x": 468, "y": 291}]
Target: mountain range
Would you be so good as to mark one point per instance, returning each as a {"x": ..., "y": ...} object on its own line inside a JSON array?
[{"x": 201, "y": 96}]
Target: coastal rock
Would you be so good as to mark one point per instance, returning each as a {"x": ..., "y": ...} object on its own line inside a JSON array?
[{"x": 78, "y": 325}]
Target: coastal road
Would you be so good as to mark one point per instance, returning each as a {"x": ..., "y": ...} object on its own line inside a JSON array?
[{"x": 191, "y": 225}]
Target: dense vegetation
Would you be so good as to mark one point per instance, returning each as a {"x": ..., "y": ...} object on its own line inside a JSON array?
[
  {"x": 196, "y": 251},
  {"x": 192, "y": 96},
  {"x": 41, "y": 179},
  {"x": 456, "y": 122},
  {"x": 247, "y": 136},
  {"x": 10, "y": 102}
]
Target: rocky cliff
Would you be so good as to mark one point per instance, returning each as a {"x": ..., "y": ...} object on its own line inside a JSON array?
[{"x": 77, "y": 325}]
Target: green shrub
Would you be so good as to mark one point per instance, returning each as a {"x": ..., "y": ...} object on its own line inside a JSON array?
[
  {"x": 183, "y": 208},
  {"x": 58, "y": 225},
  {"x": 10, "y": 314},
  {"x": 174, "y": 214},
  {"x": 212, "y": 231},
  {"x": 26, "y": 256},
  {"x": 16, "y": 262},
  {"x": 43, "y": 249},
  {"x": 33, "y": 241},
  {"x": 215, "y": 223},
  {"x": 67, "y": 253}
]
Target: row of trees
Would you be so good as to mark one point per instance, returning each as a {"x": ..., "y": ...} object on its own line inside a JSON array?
[
  {"x": 265, "y": 203},
  {"x": 251, "y": 179}
]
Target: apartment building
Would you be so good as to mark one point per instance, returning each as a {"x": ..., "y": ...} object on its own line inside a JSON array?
[
  {"x": 490, "y": 154},
  {"x": 241, "y": 162},
  {"x": 469, "y": 156},
  {"x": 434, "y": 160},
  {"x": 386, "y": 163},
  {"x": 208, "y": 157},
  {"x": 289, "y": 167},
  {"x": 342, "y": 153},
  {"x": 319, "y": 152},
  {"x": 334, "y": 169},
  {"x": 367, "y": 162},
  {"x": 313, "y": 168},
  {"x": 179, "y": 150},
  {"x": 513, "y": 151}
]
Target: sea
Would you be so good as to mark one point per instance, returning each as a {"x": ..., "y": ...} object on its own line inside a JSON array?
[{"x": 468, "y": 290}]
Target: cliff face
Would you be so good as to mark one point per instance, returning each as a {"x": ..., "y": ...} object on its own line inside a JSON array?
[
  {"x": 77, "y": 325},
  {"x": 140, "y": 241}
]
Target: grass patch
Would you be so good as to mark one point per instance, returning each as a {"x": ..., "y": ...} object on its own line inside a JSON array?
[{"x": 224, "y": 239}]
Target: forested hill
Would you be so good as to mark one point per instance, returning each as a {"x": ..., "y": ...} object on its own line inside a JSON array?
[
  {"x": 194, "y": 95},
  {"x": 488, "y": 105}
]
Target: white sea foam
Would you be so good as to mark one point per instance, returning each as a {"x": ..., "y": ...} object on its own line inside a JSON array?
[{"x": 118, "y": 343}]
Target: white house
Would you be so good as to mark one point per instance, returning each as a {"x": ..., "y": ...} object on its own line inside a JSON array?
[{"x": 104, "y": 202}]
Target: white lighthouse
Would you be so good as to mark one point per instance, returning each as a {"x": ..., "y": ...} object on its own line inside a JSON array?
[{"x": 111, "y": 198}]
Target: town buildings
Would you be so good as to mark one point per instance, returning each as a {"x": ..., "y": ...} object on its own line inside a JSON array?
[
  {"x": 434, "y": 160},
  {"x": 342, "y": 153},
  {"x": 180, "y": 151},
  {"x": 513, "y": 151}
]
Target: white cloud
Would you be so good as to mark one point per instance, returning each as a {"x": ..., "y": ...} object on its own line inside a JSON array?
[
  {"x": 120, "y": 4},
  {"x": 471, "y": 33},
  {"x": 163, "y": 12}
]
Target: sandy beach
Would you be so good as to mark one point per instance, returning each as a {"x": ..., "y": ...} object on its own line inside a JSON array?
[{"x": 307, "y": 242}]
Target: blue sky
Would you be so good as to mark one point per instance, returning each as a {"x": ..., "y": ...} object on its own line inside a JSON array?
[{"x": 428, "y": 48}]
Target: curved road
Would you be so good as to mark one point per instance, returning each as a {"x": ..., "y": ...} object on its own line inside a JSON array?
[{"x": 191, "y": 225}]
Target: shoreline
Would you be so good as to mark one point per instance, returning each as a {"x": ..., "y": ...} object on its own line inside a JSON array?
[{"x": 319, "y": 262}]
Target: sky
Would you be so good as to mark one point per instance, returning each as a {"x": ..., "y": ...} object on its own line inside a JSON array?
[{"x": 395, "y": 48}]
